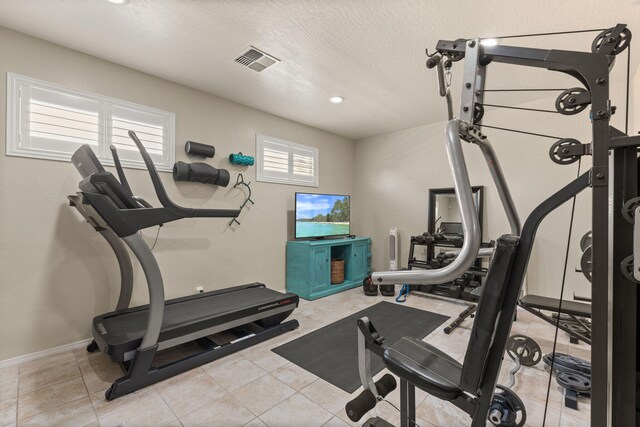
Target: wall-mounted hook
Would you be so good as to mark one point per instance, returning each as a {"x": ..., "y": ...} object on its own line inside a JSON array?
[{"x": 240, "y": 182}]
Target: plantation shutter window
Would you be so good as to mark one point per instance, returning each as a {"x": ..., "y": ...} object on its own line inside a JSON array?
[
  {"x": 148, "y": 127},
  {"x": 285, "y": 162},
  {"x": 48, "y": 121}
]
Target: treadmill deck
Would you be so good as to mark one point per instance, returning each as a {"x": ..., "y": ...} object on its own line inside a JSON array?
[{"x": 120, "y": 332}]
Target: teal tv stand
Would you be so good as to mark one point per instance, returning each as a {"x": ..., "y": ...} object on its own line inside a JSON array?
[{"x": 309, "y": 265}]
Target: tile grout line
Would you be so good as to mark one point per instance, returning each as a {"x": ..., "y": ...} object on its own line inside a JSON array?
[
  {"x": 227, "y": 393},
  {"x": 17, "y": 394},
  {"x": 49, "y": 385},
  {"x": 95, "y": 412},
  {"x": 169, "y": 406}
]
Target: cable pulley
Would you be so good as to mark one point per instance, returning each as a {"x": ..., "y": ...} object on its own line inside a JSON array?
[
  {"x": 562, "y": 152},
  {"x": 456, "y": 56},
  {"x": 621, "y": 42},
  {"x": 572, "y": 101},
  {"x": 629, "y": 209},
  {"x": 585, "y": 241},
  {"x": 627, "y": 269},
  {"x": 478, "y": 113},
  {"x": 586, "y": 265}
]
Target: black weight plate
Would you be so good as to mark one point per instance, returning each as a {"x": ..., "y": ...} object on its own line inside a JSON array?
[
  {"x": 565, "y": 362},
  {"x": 576, "y": 382},
  {"x": 585, "y": 241},
  {"x": 507, "y": 400},
  {"x": 524, "y": 348}
]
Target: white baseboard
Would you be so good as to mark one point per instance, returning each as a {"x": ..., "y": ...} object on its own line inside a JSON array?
[{"x": 44, "y": 353}]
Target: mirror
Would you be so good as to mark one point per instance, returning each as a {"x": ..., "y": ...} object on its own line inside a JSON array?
[{"x": 444, "y": 213}]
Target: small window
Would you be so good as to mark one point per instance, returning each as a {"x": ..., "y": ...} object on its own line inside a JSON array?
[
  {"x": 47, "y": 121},
  {"x": 284, "y": 162}
]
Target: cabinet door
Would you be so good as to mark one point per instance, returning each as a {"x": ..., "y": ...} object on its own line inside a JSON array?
[
  {"x": 358, "y": 260},
  {"x": 320, "y": 269}
]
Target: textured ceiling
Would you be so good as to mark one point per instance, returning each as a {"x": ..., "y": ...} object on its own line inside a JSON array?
[{"x": 369, "y": 51}]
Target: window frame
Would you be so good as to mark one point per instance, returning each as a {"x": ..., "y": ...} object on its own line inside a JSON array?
[
  {"x": 105, "y": 107},
  {"x": 290, "y": 180}
]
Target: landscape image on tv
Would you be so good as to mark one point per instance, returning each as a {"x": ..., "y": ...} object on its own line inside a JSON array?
[{"x": 319, "y": 215}]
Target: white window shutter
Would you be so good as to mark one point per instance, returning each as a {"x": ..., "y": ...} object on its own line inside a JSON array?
[
  {"x": 49, "y": 121},
  {"x": 303, "y": 164},
  {"x": 148, "y": 128},
  {"x": 284, "y": 162},
  {"x": 275, "y": 159}
]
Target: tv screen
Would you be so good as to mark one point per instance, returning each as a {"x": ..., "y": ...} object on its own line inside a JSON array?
[{"x": 322, "y": 215}]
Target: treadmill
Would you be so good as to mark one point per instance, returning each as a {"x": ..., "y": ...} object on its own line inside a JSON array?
[{"x": 221, "y": 322}]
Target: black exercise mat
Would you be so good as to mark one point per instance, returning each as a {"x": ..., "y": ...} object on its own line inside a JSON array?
[{"x": 331, "y": 352}]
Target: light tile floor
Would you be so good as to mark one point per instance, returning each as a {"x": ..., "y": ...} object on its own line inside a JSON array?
[{"x": 256, "y": 387}]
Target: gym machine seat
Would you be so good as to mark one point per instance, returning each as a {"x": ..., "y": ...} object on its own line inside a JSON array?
[
  {"x": 220, "y": 322},
  {"x": 422, "y": 364}
]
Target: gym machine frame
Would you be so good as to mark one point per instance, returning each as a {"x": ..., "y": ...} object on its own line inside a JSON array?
[{"x": 614, "y": 184}]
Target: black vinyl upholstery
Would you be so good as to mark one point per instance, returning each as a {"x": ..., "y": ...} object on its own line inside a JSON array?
[
  {"x": 552, "y": 304},
  {"x": 424, "y": 366},
  {"x": 487, "y": 314},
  {"x": 436, "y": 372}
]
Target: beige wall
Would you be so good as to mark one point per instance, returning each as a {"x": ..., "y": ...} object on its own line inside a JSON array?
[
  {"x": 395, "y": 171},
  {"x": 57, "y": 273}
]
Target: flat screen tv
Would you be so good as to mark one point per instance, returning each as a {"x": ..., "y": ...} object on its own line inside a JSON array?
[{"x": 322, "y": 215}]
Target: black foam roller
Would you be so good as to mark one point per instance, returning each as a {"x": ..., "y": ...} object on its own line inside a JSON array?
[
  {"x": 200, "y": 172},
  {"x": 366, "y": 401},
  {"x": 359, "y": 406},
  {"x": 386, "y": 384},
  {"x": 200, "y": 150}
]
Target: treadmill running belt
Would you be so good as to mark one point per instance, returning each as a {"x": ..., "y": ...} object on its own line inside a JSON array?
[{"x": 187, "y": 315}]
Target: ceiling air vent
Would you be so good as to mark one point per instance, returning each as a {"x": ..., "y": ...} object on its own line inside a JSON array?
[{"x": 256, "y": 59}]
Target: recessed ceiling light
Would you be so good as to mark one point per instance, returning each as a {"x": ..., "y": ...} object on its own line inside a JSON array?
[
  {"x": 118, "y": 1},
  {"x": 336, "y": 99},
  {"x": 489, "y": 42}
]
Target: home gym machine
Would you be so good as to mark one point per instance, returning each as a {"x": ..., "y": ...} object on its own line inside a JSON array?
[
  {"x": 613, "y": 180},
  {"x": 132, "y": 336}
]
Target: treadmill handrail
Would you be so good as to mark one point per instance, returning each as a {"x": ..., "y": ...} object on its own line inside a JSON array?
[
  {"x": 155, "y": 286},
  {"x": 163, "y": 197},
  {"x": 119, "y": 169},
  {"x": 125, "y": 266},
  {"x": 469, "y": 217}
]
